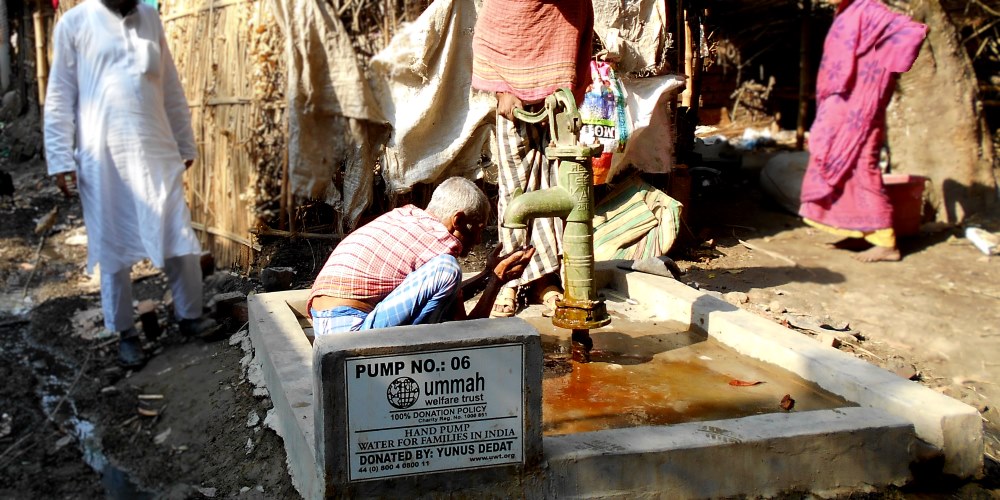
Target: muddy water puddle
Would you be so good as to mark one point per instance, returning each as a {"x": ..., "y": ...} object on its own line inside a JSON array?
[
  {"x": 15, "y": 303},
  {"x": 659, "y": 373},
  {"x": 118, "y": 484},
  {"x": 55, "y": 394}
]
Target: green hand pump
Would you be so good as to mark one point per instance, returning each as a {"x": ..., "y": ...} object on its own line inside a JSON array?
[{"x": 572, "y": 200}]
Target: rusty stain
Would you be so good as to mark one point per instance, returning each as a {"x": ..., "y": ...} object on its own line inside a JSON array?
[{"x": 644, "y": 374}]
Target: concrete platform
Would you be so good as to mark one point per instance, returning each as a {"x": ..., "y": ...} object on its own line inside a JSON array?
[
  {"x": 953, "y": 427},
  {"x": 826, "y": 452}
]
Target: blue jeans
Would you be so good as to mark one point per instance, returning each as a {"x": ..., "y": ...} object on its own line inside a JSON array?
[{"x": 422, "y": 298}]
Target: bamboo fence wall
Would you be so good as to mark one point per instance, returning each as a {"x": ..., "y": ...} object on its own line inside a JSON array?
[
  {"x": 229, "y": 54},
  {"x": 230, "y": 57}
]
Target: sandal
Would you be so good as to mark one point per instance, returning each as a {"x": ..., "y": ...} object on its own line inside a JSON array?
[
  {"x": 547, "y": 297},
  {"x": 505, "y": 304}
]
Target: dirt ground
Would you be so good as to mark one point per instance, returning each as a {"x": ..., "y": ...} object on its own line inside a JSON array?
[
  {"x": 933, "y": 317},
  {"x": 70, "y": 424},
  {"x": 190, "y": 425}
]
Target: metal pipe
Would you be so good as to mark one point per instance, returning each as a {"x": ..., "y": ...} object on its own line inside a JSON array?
[
  {"x": 551, "y": 202},
  {"x": 578, "y": 234}
]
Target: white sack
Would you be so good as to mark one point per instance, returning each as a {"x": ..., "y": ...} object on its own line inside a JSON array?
[
  {"x": 422, "y": 81},
  {"x": 330, "y": 109},
  {"x": 636, "y": 30},
  {"x": 650, "y": 146},
  {"x": 781, "y": 178}
]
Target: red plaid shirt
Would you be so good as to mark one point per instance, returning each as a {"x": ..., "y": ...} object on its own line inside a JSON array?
[{"x": 373, "y": 260}]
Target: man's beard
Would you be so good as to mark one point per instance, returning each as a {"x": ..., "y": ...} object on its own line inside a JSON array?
[{"x": 122, "y": 6}]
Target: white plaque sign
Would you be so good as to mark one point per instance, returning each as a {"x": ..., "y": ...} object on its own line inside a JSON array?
[{"x": 434, "y": 411}]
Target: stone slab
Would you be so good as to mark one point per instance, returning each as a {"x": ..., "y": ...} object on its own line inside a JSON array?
[
  {"x": 285, "y": 356},
  {"x": 367, "y": 361},
  {"x": 827, "y": 452}
]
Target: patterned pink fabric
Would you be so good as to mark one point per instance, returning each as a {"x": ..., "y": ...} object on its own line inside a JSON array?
[
  {"x": 373, "y": 260},
  {"x": 866, "y": 45},
  {"x": 531, "y": 48}
]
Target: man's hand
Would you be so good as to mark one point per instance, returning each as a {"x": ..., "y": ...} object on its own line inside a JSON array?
[
  {"x": 499, "y": 270},
  {"x": 506, "y": 103},
  {"x": 509, "y": 267},
  {"x": 188, "y": 163},
  {"x": 66, "y": 182}
]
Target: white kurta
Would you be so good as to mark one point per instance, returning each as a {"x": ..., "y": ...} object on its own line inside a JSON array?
[{"x": 116, "y": 114}]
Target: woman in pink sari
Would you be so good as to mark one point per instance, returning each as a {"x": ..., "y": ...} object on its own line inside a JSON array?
[{"x": 842, "y": 192}]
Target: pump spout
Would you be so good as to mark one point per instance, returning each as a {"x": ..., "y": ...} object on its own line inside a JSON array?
[{"x": 551, "y": 202}]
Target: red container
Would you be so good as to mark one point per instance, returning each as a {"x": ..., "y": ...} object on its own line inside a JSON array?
[
  {"x": 601, "y": 165},
  {"x": 906, "y": 193}
]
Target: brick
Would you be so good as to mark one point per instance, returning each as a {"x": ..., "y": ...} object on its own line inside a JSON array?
[
  {"x": 276, "y": 279},
  {"x": 223, "y": 305},
  {"x": 240, "y": 313},
  {"x": 149, "y": 319}
]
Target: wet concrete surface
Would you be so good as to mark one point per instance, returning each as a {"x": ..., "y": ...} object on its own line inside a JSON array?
[{"x": 660, "y": 373}]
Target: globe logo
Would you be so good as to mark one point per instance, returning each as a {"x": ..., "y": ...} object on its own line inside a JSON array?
[{"x": 403, "y": 392}]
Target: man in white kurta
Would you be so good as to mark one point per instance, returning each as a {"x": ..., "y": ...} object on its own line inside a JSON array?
[{"x": 118, "y": 125}]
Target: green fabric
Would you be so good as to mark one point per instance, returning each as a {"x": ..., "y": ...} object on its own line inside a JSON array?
[{"x": 635, "y": 221}]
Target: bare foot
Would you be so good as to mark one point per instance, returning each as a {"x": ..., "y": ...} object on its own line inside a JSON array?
[
  {"x": 879, "y": 254},
  {"x": 854, "y": 244}
]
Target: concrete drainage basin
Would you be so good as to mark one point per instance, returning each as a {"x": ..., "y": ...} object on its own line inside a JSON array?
[
  {"x": 654, "y": 373},
  {"x": 686, "y": 396}
]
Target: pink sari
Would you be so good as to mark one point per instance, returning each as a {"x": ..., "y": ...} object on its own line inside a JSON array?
[{"x": 866, "y": 45}]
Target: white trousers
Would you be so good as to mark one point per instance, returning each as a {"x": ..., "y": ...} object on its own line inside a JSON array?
[{"x": 184, "y": 275}]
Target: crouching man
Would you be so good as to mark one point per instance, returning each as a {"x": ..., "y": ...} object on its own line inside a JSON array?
[{"x": 401, "y": 268}]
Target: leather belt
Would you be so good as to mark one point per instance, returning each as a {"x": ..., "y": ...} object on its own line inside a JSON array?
[{"x": 324, "y": 302}]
